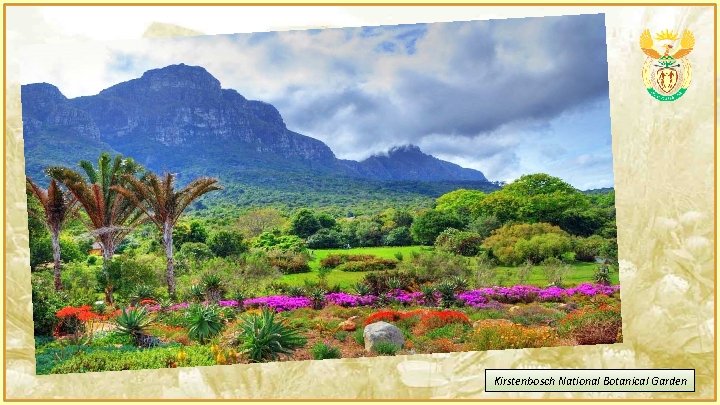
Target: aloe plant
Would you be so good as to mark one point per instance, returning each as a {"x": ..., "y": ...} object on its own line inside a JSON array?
[
  {"x": 204, "y": 322},
  {"x": 264, "y": 338},
  {"x": 134, "y": 322}
]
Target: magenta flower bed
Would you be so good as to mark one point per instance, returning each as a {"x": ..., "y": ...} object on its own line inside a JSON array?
[
  {"x": 279, "y": 302},
  {"x": 350, "y": 300},
  {"x": 525, "y": 293},
  {"x": 490, "y": 297}
]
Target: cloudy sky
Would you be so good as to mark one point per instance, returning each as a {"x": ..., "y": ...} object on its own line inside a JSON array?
[{"x": 507, "y": 97}]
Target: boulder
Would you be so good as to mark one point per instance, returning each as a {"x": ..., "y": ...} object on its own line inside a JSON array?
[
  {"x": 382, "y": 332},
  {"x": 349, "y": 325}
]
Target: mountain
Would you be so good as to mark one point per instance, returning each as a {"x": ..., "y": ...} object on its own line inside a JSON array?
[{"x": 179, "y": 118}]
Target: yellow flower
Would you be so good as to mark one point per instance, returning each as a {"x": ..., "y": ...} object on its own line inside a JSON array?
[
  {"x": 181, "y": 356},
  {"x": 214, "y": 349},
  {"x": 220, "y": 358}
]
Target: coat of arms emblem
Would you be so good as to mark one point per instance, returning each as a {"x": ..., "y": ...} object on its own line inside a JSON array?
[{"x": 667, "y": 75}]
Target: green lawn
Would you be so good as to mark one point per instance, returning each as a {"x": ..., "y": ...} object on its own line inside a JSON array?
[{"x": 580, "y": 272}]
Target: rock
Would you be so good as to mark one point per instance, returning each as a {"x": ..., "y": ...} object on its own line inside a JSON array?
[
  {"x": 382, "y": 332},
  {"x": 349, "y": 325},
  {"x": 569, "y": 307}
]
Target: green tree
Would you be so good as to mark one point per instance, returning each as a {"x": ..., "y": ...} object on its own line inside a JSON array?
[
  {"x": 503, "y": 242},
  {"x": 226, "y": 243},
  {"x": 260, "y": 220},
  {"x": 110, "y": 216},
  {"x": 484, "y": 225},
  {"x": 158, "y": 199},
  {"x": 57, "y": 207},
  {"x": 325, "y": 239},
  {"x": 399, "y": 236},
  {"x": 465, "y": 204},
  {"x": 462, "y": 243},
  {"x": 189, "y": 232},
  {"x": 428, "y": 225},
  {"x": 304, "y": 223}
]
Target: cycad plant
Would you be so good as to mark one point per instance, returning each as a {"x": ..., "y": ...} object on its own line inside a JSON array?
[
  {"x": 110, "y": 216},
  {"x": 264, "y": 338},
  {"x": 163, "y": 205},
  {"x": 57, "y": 206},
  {"x": 134, "y": 322},
  {"x": 204, "y": 322}
]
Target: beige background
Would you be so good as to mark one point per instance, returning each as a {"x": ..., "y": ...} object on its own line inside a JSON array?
[{"x": 663, "y": 163}]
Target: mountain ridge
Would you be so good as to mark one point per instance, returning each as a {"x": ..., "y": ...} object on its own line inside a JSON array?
[{"x": 179, "y": 118}]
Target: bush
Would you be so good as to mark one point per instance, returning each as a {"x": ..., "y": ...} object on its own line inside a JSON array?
[
  {"x": 504, "y": 241},
  {"x": 484, "y": 225},
  {"x": 357, "y": 262},
  {"x": 592, "y": 326},
  {"x": 126, "y": 272},
  {"x": 541, "y": 247},
  {"x": 386, "y": 348},
  {"x": 459, "y": 242},
  {"x": 227, "y": 243},
  {"x": 511, "y": 336},
  {"x": 263, "y": 338},
  {"x": 117, "y": 360},
  {"x": 288, "y": 262},
  {"x": 274, "y": 240},
  {"x": 587, "y": 249},
  {"x": 430, "y": 224},
  {"x": 325, "y": 239},
  {"x": 438, "y": 319},
  {"x": 45, "y": 302},
  {"x": 377, "y": 282},
  {"x": 41, "y": 250},
  {"x": 194, "y": 252},
  {"x": 80, "y": 283},
  {"x": 322, "y": 351},
  {"x": 204, "y": 322},
  {"x": 436, "y": 265},
  {"x": 555, "y": 271},
  {"x": 399, "y": 236}
]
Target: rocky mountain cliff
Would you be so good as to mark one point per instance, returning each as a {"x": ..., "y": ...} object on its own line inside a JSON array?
[{"x": 179, "y": 118}]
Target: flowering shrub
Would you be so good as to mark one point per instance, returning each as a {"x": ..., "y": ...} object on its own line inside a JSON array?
[
  {"x": 72, "y": 319},
  {"x": 388, "y": 315},
  {"x": 527, "y": 293},
  {"x": 350, "y": 300},
  {"x": 437, "y": 319},
  {"x": 279, "y": 302},
  {"x": 592, "y": 326},
  {"x": 512, "y": 336}
]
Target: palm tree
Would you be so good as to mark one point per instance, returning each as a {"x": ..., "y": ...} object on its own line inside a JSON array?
[
  {"x": 57, "y": 206},
  {"x": 110, "y": 216},
  {"x": 163, "y": 205}
]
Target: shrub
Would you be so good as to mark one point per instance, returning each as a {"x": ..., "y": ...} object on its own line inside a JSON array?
[
  {"x": 399, "y": 236},
  {"x": 534, "y": 314},
  {"x": 325, "y": 239},
  {"x": 484, "y": 225},
  {"x": 555, "y": 271},
  {"x": 204, "y": 322},
  {"x": 264, "y": 338},
  {"x": 134, "y": 322},
  {"x": 362, "y": 289},
  {"x": 227, "y": 243},
  {"x": 194, "y": 252},
  {"x": 433, "y": 266},
  {"x": 462, "y": 243},
  {"x": 438, "y": 319},
  {"x": 126, "y": 272},
  {"x": 587, "y": 249},
  {"x": 602, "y": 274},
  {"x": 274, "y": 240},
  {"x": 357, "y": 262},
  {"x": 386, "y": 348},
  {"x": 430, "y": 224},
  {"x": 378, "y": 281},
  {"x": 45, "y": 302},
  {"x": 322, "y": 351},
  {"x": 512, "y": 336},
  {"x": 592, "y": 326},
  {"x": 541, "y": 247},
  {"x": 502, "y": 242},
  {"x": 288, "y": 262},
  {"x": 80, "y": 284},
  {"x": 117, "y": 360}
]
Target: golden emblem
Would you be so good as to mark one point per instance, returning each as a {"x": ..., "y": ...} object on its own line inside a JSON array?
[{"x": 667, "y": 75}]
